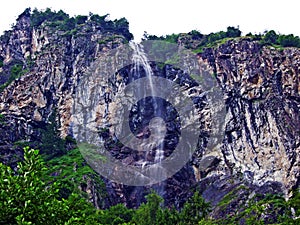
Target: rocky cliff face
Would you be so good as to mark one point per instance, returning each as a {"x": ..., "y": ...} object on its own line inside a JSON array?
[
  {"x": 53, "y": 60},
  {"x": 261, "y": 88},
  {"x": 261, "y": 141},
  {"x": 58, "y": 60}
]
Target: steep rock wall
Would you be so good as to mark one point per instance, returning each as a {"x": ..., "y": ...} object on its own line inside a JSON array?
[
  {"x": 260, "y": 84},
  {"x": 261, "y": 87}
]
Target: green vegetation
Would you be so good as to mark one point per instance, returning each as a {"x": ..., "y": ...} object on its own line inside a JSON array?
[
  {"x": 34, "y": 195},
  {"x": 51, "y": 144},
  {"x": 91, "y": 151},
  {"x": 294, "y": 202},
  {"x": 152, "y": 212},
  {"x": 271, "y": 38},
  {"x": 201, "y": 41},
  {"x": 27, "y": 199},
  {"x": 16, "y": 72},
  {"x": 268, "y": 209},
  {"x": 230, "y": 33},
  {"x": 194, "y": 210},
  {"x": 198, "y": 42},
  {"x": 117, "y": 214},
  {"x": 71, "y": 25},
  {"x": 215, "y": 39},
  {"x": 38, "y": 17},
  {"x": 230, "y": 196},
  {"x": 48, "y": 188},
  {"x": 172, "y": 38},
  {"x": 2, "y": 118},
  {"x": 72, "y": 172},
  {"x": 112, "y": 38},
  {"x": 174, "y": 60}
]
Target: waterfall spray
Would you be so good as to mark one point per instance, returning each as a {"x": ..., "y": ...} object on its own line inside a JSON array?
[{"x": 156, "y": 124}]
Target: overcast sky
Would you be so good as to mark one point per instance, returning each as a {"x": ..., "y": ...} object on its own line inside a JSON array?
[{"x": 162, "y": 17}]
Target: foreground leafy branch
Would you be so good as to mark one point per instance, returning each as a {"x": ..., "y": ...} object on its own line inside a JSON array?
[{"x": 26, "y": 199}]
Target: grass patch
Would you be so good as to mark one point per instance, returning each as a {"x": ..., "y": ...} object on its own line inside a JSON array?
[
  {"x": 174, "y": 60},
  {"x": 72, "y": 171},
  {"x": 213, "y": 45},
  {"x": 112, "y": 39},
  {"x": 230, "y": 196},
  {"x": 91, "y": 151},
  {"x": 69, "y": 166},
  {"x": 15, "y": 72}
]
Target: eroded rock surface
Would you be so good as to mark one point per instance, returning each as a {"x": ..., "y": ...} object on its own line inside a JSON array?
[{"x": 261, "y": 88}]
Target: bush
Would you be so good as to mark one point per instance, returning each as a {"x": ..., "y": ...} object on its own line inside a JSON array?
[
  {"x": 194, "y": 210},
  {"x": 38, "y": 17},
  {"x": 233, "y": 32},
  {"x": 51, "y": 144},
  {"x": 117, "y": 214},
  {"x": 16, "y": 72},
  {"x": 61, "y": 21},
  {"x": 196, "y": 35},
  {"x": 151, "y": 212},
  {"x": 172, "y": 38},
  {"x": 289, "y": 41},
  {"x": 295, "y": 202},
  {"x": 270, "y": 37},
  {"x": 25, "y": 198},
  {"x": 81, "y": 19}
]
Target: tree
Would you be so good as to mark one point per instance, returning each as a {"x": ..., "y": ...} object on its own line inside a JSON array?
[
  {"x": 170, "y": 216},
  {"x": 122, "y": 26},
  {"x": 196, "y": 35},
  {"x": 38, "y": 17},
  {"x": 25, "y": 198},
  {"x": 289, "y": 40},
  {"x": 117, "y": 214},
  {"x": 81, "y": 19},
  {"x": 233, "y": 32},
  {"x": 26, "y": 13},
  {"x": 270, "y": 37},
  {"x": 52, "y": 144},
  {"x": 151, "y": 212},
  {"x": 97, "y": 18},
  {"x": 212, "y": 37},
  {"x": 194, "y": 210}
]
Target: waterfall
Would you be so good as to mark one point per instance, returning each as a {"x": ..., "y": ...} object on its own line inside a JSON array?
[{"x": 142, "y": 67}]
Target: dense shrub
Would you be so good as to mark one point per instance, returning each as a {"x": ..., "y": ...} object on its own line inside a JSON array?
[{"x": 25, "y": 198}]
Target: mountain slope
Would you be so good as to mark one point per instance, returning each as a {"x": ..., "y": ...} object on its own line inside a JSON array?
[{"x": 44, "y": 58}]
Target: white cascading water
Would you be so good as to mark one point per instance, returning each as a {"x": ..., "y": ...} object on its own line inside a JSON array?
[{"x": 140, "y": 60}]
